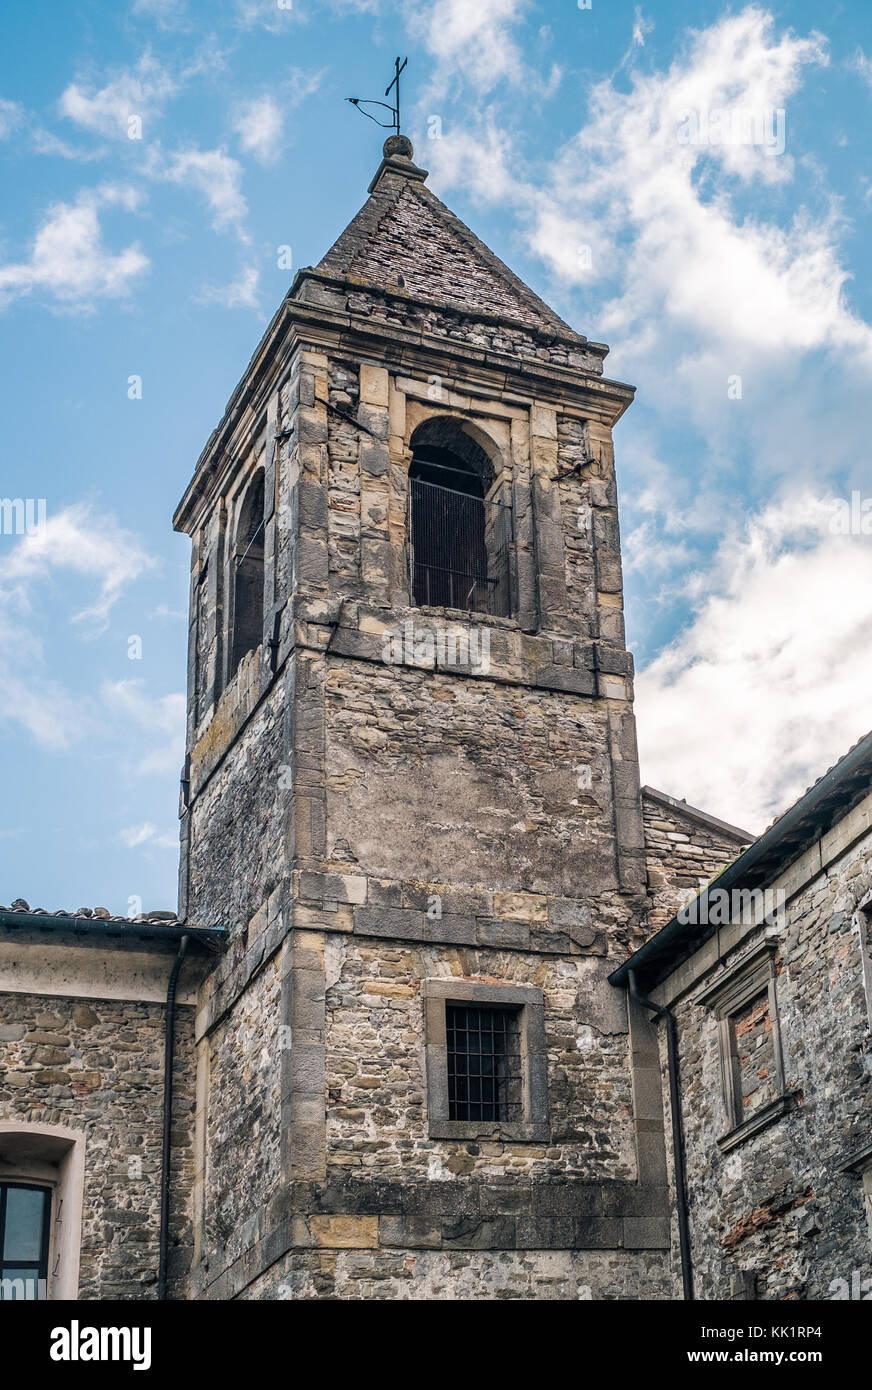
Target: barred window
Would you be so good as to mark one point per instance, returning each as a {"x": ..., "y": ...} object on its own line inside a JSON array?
[
  {"x": 484, "y": 1063},
  {"x": 486, "y": 1060}
]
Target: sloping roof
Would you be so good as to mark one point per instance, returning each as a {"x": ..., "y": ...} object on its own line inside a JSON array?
[
  {"x": 100, "y": 920},
  {"x": 743, "y": 837},
  {"x": 830, "y": 798},
  {"x": 403, "y": 235}
]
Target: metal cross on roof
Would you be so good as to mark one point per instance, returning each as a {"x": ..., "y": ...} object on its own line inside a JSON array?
[{"x": 361, "y": 102}]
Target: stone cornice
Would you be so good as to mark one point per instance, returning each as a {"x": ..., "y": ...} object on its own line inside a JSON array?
[{"x": 297, "y": 323}]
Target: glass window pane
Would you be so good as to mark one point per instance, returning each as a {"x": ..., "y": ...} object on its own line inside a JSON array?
[
  {"x": 25, "y": 1208},
  {"x": 17, "y": 1284}
]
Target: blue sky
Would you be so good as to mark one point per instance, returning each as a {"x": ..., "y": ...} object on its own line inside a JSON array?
[{"x": 691, "y": 184}]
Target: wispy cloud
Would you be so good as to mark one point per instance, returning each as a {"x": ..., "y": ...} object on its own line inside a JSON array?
[
  {"x": 138, "y": 92},
  {"x": 147, "y": 834},
  {"x": 241, "y": 293},
  {"x": 217, "y": 177},
  {"x": 479, "y": 43},
  {"x": 11, "y": 117},
  {"x": 161, "y": 718},
  {"x": 259, "y": 124},
  {"x": 767, "y": 685},
  {"x": 259, "y": 121},
  {"x": 78, "y": 540},
  {"x": 862, "y": 65},
  {"x": 86, "y": 542},
  {"x": 169, "y": 14}
]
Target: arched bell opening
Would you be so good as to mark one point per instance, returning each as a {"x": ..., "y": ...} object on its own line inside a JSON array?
[{"x": 460, "y": 532}]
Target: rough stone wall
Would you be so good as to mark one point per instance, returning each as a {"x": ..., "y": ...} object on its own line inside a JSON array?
[
  {"x": 488, "y": 773},
  {"x": 776, "y": 1216},
  {"x": 96, "y": 1065},
  {"x": 450, "y": 322},
  {"x": 465, "y": 1275},
  {"x": 376, "y": 1081},
  {"x": 681, "y": 851},
  {"x": 243, "y": 1121},
  {"x": 236, "y": 821}
]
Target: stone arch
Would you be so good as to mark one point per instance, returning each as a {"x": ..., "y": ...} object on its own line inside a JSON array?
[{"x": 459, "y": 532}]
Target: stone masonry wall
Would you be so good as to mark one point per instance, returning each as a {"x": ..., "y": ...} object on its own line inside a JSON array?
[
  {"x": 776, "y": 1216},
  {"x": 332, "y": 793},
  {"x": 376, "y": 1080},
  {"x": 97, "y": 1065},
  {"x": 465, "y": 1275},
  {"x": 681, "y": 851}
]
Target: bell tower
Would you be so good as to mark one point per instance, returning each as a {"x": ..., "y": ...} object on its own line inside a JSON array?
[{"x": 411, "y": 790}]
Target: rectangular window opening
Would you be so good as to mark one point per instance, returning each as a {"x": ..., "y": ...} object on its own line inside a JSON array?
[
  {"x": 484, "y": 1063},
  {"x": 24, "y": 1241}
]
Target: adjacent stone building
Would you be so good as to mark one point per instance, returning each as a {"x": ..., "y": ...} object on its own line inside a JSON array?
[
  {"x": 83, "y": 1013},
  {"x": 415, "y": 851},
  {"x": 768, "y": 975}
]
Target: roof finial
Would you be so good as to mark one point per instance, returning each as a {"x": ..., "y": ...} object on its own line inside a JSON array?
[{"x": 361, "y": 102}]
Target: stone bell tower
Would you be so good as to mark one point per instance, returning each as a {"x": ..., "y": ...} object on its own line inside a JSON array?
[{"x": 412, "y": 793}]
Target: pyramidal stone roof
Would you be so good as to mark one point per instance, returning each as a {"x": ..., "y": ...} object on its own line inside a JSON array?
[{"x": 404, "y": 237}]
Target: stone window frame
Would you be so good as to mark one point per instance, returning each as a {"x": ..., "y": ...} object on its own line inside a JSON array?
[
  {"x": 252, "y": 479},
  {"x": 863, "y": 924},
  {"x": 730, "y": 993},
  {"x": 530, "y": 1003},
  {"x": 51, "y": 1156},
  {"x": 859, "y": 1163}
]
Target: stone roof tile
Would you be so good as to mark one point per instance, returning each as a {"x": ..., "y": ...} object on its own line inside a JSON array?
[{"x": 404, "y": 236}]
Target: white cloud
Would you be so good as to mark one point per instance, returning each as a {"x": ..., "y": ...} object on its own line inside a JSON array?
[
  {"x": 162, "y": 718},
  {"x": 475, "y": 41},
  {"x": 69, "y": 260},
  {"x": 768, "y": 684},
  {"x": 658, "y": 164},
  {"x": 169, "y": 14},
  {"x": 140, "y": 91},
  {"x": 484, "y": 164},
  {"x": 240, "y": 294},
  {"x": 217, "y": 177},
  {"x": 259, "y": 121},
  {"x": 135, "y": 836},
  {"x": 260, "y": 125},
  {"x": 47, "y": 143},
  {"x": 77, "y": 539},
  {"x": 41, "y": 706},
  {"x": 642, "y": 27},
  {"x": 84, "y": 541},
  {"x": 641, "y": 202},
  {"x": 862, "y": 65},
  {"x": 271, "y": 15},
  {"x": 11, "y": 117}
]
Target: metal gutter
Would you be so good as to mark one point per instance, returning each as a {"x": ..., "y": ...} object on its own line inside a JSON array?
[
  {"x": 166, "y": 1135},
  {"x": 213, "y": 938},
  {"x": 678, "y": 1156}
]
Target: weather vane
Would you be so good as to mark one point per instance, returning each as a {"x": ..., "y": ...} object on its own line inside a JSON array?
[{"x": 361, "y": 102}]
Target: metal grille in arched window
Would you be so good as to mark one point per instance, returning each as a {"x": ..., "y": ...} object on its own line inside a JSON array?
[{"x": 461, "y": 535}]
